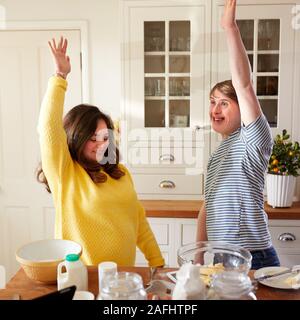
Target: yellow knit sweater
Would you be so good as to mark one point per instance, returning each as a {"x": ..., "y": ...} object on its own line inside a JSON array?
[{"x": 105, "y": 218}]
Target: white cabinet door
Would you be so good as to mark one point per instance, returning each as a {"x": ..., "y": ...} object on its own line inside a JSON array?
[
  {"x": 136, "y": 65},
  {"x": 171, "y": 234},
  {"x": 166, "y": 82},
  {"x": 187, "y": 229},
  {"x": 288, "y": 259},
  {"x": 286, "y": 240},
  {"x": 163, "y": 230},
  {"x": 26, "y": 209}
]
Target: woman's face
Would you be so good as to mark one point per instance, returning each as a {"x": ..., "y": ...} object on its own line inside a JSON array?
[
  {"x": 96, "y": 146},
  {"x": 224, "y": 114}
]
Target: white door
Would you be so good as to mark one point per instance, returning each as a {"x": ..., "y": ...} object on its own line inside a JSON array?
[{"x": 26, "y": 209}]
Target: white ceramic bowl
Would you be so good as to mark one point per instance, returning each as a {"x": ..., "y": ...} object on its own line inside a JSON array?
[{"x": 39, "y": 259}]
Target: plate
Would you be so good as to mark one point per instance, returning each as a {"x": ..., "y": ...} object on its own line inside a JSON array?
[{"x": 280, "y": 282}]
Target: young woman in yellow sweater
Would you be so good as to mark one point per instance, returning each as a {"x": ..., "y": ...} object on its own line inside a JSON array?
[{"x": 95, "y": 201}]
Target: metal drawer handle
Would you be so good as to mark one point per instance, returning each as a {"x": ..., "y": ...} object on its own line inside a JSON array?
[
  {"x": 165, "y": 157},
  {"x": 197, "y": 127},
  {"x": 287, "y": 237},
  {"x": 166, "y": 184}
]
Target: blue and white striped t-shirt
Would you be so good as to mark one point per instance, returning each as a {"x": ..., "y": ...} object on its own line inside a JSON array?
[{"x": 234, "y": 187}]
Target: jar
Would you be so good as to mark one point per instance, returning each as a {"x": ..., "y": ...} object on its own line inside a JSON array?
[
  {"x": 76, "y": 273},
  {"x": 105, "y": 269},
  {"x": 123, "y": 286},
  {"x": 231, "y": 285}
]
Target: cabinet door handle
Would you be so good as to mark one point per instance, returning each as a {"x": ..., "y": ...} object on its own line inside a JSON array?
[
  {"x": 165, "y": 157},
  {"x": 197, "y": 127},
  {"x": 287, "y": 237},
  {"x": 167, "y": 184}
]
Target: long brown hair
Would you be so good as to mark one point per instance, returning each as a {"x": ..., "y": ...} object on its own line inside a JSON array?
[
  {"x": 226, "y": 87},
  {"x": 80, "y": 124}
]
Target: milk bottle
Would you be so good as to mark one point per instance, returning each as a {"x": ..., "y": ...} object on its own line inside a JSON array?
[{"x": 76, "y": 273}]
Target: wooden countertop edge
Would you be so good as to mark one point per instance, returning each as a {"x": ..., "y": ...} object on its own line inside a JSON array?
[
  {"x": 29, "y": 289},
  {"x": 190, "y": 209}
]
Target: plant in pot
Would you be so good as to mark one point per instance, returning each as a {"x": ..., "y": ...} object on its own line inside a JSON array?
[{"x": 283, "y": 169}]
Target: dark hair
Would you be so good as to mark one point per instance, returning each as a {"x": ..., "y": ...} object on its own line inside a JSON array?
[
  {"x": 80, "y": 124},
  {"x": 227, "y": 88}
]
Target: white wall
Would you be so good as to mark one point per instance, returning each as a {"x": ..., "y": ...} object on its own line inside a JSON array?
[{"x": 104, "y": 40}]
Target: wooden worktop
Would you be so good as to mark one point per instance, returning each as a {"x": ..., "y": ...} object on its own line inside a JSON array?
[
  {"x": 190, "y": 209},
  {"x": 28, "y": 289}
]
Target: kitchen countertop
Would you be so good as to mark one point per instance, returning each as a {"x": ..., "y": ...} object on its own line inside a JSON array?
[
  {"x": 190, "y": 209},
  {"x": 28, "y": 289}
]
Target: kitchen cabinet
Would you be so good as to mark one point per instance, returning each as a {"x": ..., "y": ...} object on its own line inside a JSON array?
[
  {"x": 178, "y": 232},
  {"x": 286, "y": 239},
  {"x": 163, "y": 230},
  {"x": 166, "y": 85},
  {"x": 173, "y": 53},
  {"x": 172, "y": 233}
]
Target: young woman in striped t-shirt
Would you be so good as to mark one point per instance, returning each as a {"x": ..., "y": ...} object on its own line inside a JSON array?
[{"x": 234, "y": 203}]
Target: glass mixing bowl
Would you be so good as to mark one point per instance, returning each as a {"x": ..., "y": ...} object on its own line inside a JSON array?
[{"x": 206, "y": 253}]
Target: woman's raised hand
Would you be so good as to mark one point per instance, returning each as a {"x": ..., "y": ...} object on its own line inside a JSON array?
[
  {"x": 228, "y": 18},
  {"x": 61, "y": 60}
]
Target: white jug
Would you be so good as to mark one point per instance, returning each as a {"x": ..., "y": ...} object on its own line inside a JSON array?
[{"x": 76, "y": 273}]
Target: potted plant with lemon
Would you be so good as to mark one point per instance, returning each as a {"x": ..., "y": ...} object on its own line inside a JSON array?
[{"x": 283, "y": 169}]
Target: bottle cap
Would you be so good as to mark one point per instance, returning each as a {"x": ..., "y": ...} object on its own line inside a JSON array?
[{"x": 72, "y": 257}]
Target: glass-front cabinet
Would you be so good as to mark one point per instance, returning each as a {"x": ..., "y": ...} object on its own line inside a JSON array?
[
  {"x": 261, "y": 38},
  {"x": 168, "y": 70},
  {"x": 267, "y": 35},
  {"x": 166, "y": 86}
]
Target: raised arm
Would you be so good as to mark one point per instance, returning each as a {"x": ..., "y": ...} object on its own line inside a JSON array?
[
  {"x": 53, "y": 140},
  {"x": 239, "y": 66}
]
